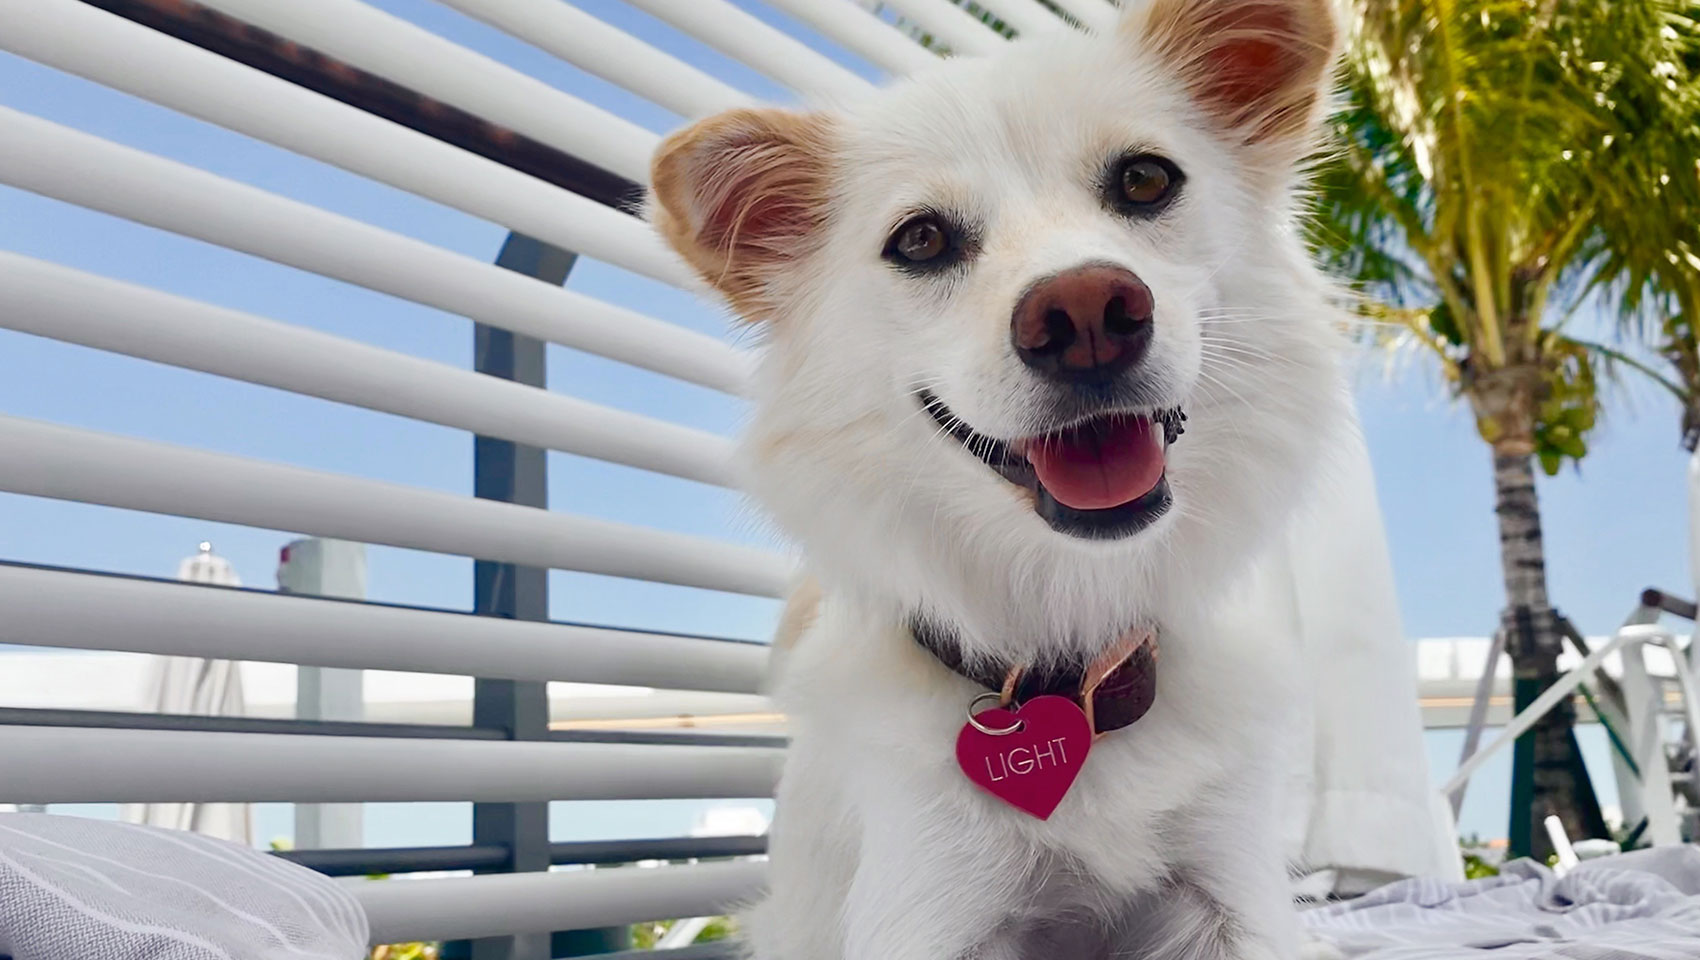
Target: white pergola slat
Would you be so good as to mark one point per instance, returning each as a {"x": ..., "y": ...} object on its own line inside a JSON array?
[
  {"x": 67, "y": 463},
  {"x": 68, "y": 165},
  {"x": 539, "y": 903},
  {"x": 1027, "y": 17},
  {"x": 368, "y": 38},
  {"x": 61, "y": 608},
  {"x": 47, "y": 764},
  {"x": 871, "y": 38},
  {"x": 76, "y": 307},
  {"x": 747, "y": 39},
  {"x": 614, "y": 55},
  {"x": 959, "y": 30},
  {"x": 127, "y": 56},
  {"x": 1092, "y": 14}
]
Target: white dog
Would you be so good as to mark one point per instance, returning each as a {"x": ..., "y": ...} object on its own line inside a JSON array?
[{"x": 1046, "y": 366}]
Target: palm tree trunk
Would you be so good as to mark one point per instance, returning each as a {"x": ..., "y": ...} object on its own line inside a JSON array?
[
  {"x": 1522, "y": 554},
  {"x": 1548, "y": 775}
]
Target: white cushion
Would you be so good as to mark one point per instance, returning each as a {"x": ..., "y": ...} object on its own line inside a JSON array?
[{"x": 77, "y": 889}]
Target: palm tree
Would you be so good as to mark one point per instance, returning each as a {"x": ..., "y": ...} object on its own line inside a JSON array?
[{"x": 1505, "y": 171}]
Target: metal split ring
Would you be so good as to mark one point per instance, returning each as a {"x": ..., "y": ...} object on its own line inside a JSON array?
[{"x": 974, "y": 721}]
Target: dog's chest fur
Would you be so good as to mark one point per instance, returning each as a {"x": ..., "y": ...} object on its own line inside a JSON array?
[
  {"x": 1068, "y": 917},
  {"x": 1105, "y": 870}
]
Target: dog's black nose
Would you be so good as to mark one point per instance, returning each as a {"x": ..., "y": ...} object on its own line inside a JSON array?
[{"x": 1088, "y": 324}]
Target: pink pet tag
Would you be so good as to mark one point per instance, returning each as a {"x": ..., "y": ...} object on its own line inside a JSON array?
[{"x": 1027, "y": 757}]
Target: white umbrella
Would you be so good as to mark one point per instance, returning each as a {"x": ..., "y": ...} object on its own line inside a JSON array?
[{"x": 195, "y": 687}]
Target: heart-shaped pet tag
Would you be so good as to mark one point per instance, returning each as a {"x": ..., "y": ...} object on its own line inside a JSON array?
[{"x": 1031, "y": 766}]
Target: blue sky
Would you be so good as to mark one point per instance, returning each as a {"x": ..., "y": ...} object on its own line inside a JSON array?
[{"x": 1614, "y": 527}]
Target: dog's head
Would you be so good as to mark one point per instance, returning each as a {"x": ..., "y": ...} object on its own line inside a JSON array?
[{"x": 996, "y": 295}]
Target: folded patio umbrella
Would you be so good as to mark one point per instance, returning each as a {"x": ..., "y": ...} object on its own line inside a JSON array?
[{"x": 190, "y": 686}]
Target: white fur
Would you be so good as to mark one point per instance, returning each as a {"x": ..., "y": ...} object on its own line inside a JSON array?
[{"x": 1169, "y": 844}]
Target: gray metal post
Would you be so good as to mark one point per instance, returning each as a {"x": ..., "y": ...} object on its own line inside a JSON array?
[
  {"x": 516, "y": 473},
  {"x": 1478, "y": 712},
  {"x": 326, "y": 568}
]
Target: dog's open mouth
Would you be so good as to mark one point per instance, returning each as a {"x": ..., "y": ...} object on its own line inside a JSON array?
[{"x": 1099, "y": 478}]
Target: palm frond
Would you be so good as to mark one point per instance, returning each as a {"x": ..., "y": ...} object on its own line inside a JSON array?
[{"x": 1505, "y": 163}]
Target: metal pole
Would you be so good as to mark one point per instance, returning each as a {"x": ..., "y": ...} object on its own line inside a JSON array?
[
  {"x": 326, "y": 568},
  {"x": 1478, "y": 713},
  {"x": 514, "y": 473}
]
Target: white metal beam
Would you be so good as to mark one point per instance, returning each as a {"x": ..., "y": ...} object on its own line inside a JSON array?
[
  {"x": 1653, "y": 794},
  {"x": 66, "y": 463},
  {"x": 106, "y": 765},
  {"x": 1562, "y": 688}
]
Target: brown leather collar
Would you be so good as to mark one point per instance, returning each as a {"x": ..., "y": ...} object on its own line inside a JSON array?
[{"x": 1115, "y": 690}]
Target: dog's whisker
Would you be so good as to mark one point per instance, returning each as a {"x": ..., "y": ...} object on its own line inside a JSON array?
[
  {"x": 1248, "y": 321},
  {"x": 1214, "y": 340},
  {"x": 1237, "y": 365},
  {"x": 1210, "y": 379},
  {"x": 1244, "y": 356}
]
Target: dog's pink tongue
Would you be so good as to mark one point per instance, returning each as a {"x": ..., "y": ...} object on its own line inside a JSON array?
[{"x": 1100, "y": 464}]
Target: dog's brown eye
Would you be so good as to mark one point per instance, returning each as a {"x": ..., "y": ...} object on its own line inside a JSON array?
[
  {"x": 920, "y": 240},
  {"x": 930, "y": 242},
  {"x": 1143, "y": 183}
]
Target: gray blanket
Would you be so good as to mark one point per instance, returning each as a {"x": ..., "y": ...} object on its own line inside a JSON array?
[{"x": 1643, "y": 905}]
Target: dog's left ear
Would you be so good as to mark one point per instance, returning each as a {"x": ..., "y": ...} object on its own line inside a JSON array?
[
  {"x": 1260, "y": 68},
  {"x": 742, "y": 194}
]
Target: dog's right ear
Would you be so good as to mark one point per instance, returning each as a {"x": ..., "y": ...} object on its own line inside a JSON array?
[
  {"x": 742, "y": 194},
  {"x": 1259, "y": 68}
]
